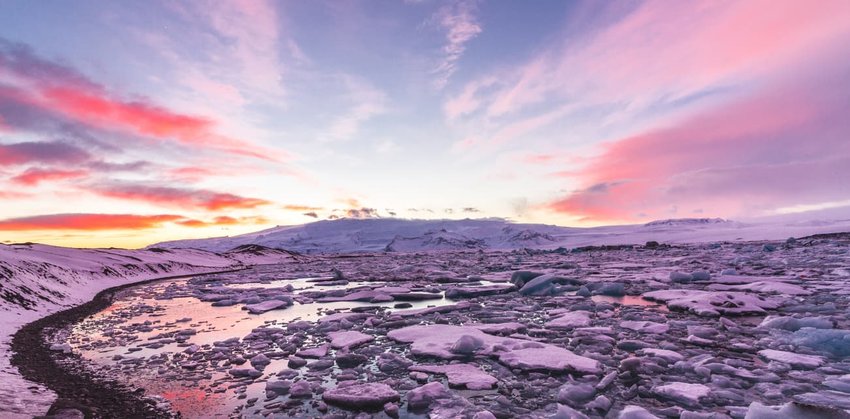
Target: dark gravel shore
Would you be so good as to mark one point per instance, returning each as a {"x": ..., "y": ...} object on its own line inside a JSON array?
[{"x": 78, "y": 388}]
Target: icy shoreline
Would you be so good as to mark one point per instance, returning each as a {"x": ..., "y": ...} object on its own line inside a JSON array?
[{"x": 39, "y": 280}]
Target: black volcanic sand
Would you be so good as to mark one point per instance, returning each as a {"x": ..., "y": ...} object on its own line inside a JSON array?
[{"x": 75, "y": 386}]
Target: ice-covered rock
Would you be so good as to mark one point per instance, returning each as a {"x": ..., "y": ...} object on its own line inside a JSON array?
[
  {"x": 793, "y": 324},
  {"x": 566, "y": 412},
  {"x": 467, "y": 345},
  {"x": 645, "y": 326},
  {"x": 541, "y": 285},
  {"x": 635, "y": 412},
  {"x": 685, "y": 393},
  {"x": 570, "y": 320},
  {"x": 833, "y": 341},
  {"x": 715, "y": 303},
  {"x": 300, "y": 389},
  {"x": 461, "y": 375},
  {"x": 268, "y": 305},
  {"x": 348, "y": 339},
  {"x": 520, "y": 278},
  {"x": 841, "y": 383},
  {"x": 549, "y": 358},
  {"x": 421, "y": 397},
  {"x": 792, "y": 410},
  {"x": 575, "y": 394},
  {"x": 359, "y": 396},
  {"x": 677, "y": 276},
  {"x": 438, "y": 339}
]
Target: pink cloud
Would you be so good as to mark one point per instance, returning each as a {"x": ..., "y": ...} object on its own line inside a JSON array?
[
  {"x": 785, "y": 146},
  {"x": 34, "y": 176},
  {"x": 178, "y": 197}
]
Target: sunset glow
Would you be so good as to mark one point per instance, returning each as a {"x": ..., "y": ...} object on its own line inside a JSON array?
[{"x": 130, "y": 123}]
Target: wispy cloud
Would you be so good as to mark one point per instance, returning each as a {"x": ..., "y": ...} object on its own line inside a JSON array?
[
  {"x": 34, "y": 176},
  {"x": 458, "y": 20}
]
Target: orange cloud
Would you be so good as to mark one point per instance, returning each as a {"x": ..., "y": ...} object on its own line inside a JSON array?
[
  {"x": 91, "y": 222},
  {"x": 223, "y": 221}
]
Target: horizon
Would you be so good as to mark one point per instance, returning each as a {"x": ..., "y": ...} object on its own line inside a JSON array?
[{"x": 128, "y": 124}]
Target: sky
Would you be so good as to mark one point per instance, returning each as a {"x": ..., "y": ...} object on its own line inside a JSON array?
[{"x": 129, "y": 123}]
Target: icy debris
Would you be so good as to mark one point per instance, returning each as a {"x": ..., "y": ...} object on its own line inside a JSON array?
[
  {"x": 833, "y": 341},
  {"x": 764, "y": 287},
  {"x": 359, "y": 396},
  {"x": 461, "y": 375},
  {"x": 541, "y": 285},
  {"x": 793, "y": 411},
  {"x": 685, "y": 393},
  {"x": 645, "y": 326},
  {"x": 438, "y": 339},
  {"x": 348, "y": 339},
  {"x": 570, "y": 320},
  {"x": 467, "y": 345},
  {"x": 269, "y": 305},
  {"x": 665, "y": 354},
  {"x": 792, "y": 359},
  {"x": 61, "y": 347},
  {"x": 575, "y": 394},
  {"x": 826, "y": 399},
  {"x": 708, "y": 303},
  {"x": 566, "y": 412},
  {"x": 520, "y": 278},
  {"x": 421, "y": 397},
  {"x": 635, "y": 412},
  {"x": 793, "y": 324},
  {"x": 316, "y": 352},
  {"x": 841, "y": 383},
  {"x": 550, "y": 358}
]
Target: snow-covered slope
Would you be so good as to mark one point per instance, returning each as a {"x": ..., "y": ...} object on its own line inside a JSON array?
[
  {"x": 377, "y": 235},
  {"x": 36, "y": 280}
]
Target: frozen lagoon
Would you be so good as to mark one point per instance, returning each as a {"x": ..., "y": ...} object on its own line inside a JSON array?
[{"x": 694, "y": 346}]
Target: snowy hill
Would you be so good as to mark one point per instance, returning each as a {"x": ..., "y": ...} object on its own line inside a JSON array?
[{"x": 397, "y": 235}]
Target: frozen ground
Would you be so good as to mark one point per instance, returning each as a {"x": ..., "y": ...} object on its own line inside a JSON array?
[{"x": 727, "y": 329}]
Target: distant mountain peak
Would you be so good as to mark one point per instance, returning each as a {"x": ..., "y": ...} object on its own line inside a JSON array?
[{"x": 686, "y": 222}]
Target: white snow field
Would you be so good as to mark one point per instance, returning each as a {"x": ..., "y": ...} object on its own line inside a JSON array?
[{"x": 398, "y": 235}]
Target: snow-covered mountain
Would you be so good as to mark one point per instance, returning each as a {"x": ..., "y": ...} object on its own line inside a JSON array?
[{"x": 398, "y": 235}]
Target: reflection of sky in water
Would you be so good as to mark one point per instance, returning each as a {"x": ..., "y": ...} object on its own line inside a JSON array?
[{"x": 212, "y": 324}]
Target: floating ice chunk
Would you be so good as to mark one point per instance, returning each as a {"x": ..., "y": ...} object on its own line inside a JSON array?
[
  {"x": 686, "y": 393},
  {"x": 645, "y": 326},
  {"x": 792, "y": 411},
  {"x": 467, "y": 345},
  {"x": 841, "y": 383},
  {"x": 826, "y": 399},
  {"x": 635, "y": 412},
  {"x": 438, "y": 339},
  {"x": 500, "y": 328},
  {"x": 576, "y": 394},
  {"x": 793, "y": 324},
  {"x": 667, "y": 355},
  {"x": 348, "y": 339},
  {"x": 352, "y": 317},
  {"x": 268, "y": 305},
  {"x": 566, "y": 412},
  {"x": 834, "y": 341},
  {"x": 715, "y": 303},
  {"x": 421, "y": 397},
  {"x": 550, "y": 358},
  {"x": 541, "y": 285},
  {"x": 359, "y": 396},
  {"x": 764, "y": 287},
  {"x": 461, "y": 375},
  {"x": 570, "y": 320},
  {"x": 792, "y": 359}
]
